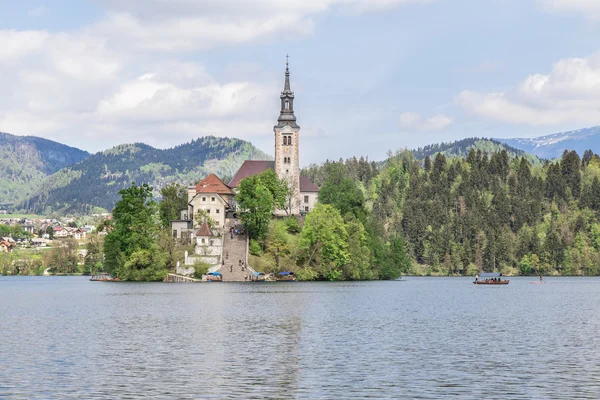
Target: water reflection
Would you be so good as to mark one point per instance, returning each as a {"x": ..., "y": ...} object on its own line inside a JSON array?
[{"x": 424, "y": 338}]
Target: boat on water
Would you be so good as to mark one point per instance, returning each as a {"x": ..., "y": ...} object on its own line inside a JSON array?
[
  {"x": 258, "y": 277},
  {"x": 285, "y": 276},
  {"x": 490, "y": 278},
  {"x": 214, "y": 277},
  {"x": 103, "y": 277}
]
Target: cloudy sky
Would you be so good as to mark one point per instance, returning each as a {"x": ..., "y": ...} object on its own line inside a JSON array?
[{"x": 369, "y": 75}]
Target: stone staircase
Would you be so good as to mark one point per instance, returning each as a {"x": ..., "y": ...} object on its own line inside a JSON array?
[{"x": 234, "y": 250}]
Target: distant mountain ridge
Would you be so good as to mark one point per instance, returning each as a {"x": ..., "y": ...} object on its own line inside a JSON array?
[
  {"x": 461, "y": 148},
  {"x": 25, "y": 161},
  {"x": 552, "y": 146},
  {"x": 93, "y": 184}
]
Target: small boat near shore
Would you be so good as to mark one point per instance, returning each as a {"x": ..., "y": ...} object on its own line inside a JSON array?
[
  {"x": 103, "y": 277},
  {"x": 490, "y": 278},
  {"x": 285, "y": 276}
]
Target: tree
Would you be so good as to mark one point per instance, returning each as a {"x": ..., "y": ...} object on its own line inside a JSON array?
[
  {"x": 257, "y": 198},
  {"x": 174, "y": 200},
  {"x": 135, "y": 231},
  {"x": 344, "y": 195},
  {"x": 63, "y": 259},
  {"x": 324, "y": 241},
  {"x": 92, "y": 262}
]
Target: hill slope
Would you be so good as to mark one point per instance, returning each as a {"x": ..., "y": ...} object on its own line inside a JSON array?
[
  {"x": 25, "y": 161},
  {"x": 95, "y": 182},
  {"x": 461, "y": 148},
  {"x": 552, "y": 146}
]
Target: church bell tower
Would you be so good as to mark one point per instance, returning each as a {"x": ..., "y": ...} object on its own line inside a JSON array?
[{"x": 287, "y": 163}]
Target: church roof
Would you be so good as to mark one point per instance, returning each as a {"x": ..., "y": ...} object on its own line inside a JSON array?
[
  {"x": 306, "y": 185},
  {"x": 212, "y": 184},
  {"x": 204, "y": 230},
  {"x": 249, "y": 168}
]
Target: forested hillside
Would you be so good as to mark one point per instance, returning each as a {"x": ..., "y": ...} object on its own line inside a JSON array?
[
  {"x": 95, "y": 182},
  {"x": 25, "y": 161},
  {"x": 480, "y": 212}
]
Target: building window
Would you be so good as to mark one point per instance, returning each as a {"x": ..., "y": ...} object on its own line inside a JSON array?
[
  {"x": 287, "y": 105},
  {"x": 204, "y": 199},
  {"x": 217, "y": 210},
  {"x": 306, "y": 199},
  {"x": 285, "y": 140},
  {"x": 216, "y": 223},
  {"x": 287, "y": 170},
  {"x": 306, "y": 208},
  {"x": 208, "y": 211},
  {"x": 175, "y": 233},
  {"x": 203, "y": 240},
  {"x": 212, "y": 199},
  {"x": 211, "y": 242}
]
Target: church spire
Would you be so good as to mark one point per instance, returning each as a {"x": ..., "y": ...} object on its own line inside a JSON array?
[
  {"x": 286, "y": 116},
  {"x": 286, "y": 87}
]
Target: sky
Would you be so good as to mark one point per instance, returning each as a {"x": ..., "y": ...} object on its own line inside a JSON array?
[{"x": 369, "y": 76}]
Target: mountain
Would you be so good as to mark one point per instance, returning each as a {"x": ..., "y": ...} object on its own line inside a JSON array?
[
  {"x": 552, "y": 146},
  {"x": 25, "y": 161},
  {"x": 461, "y": 148},
  {"x": 94, "y": 183}
]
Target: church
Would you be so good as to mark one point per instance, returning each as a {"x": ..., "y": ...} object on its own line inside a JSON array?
[
  {"x": 287, "y": 157},
  {"x": 217, "y": 198}
]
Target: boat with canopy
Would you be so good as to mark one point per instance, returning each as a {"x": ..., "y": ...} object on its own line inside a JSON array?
[{"x": 490, "y": 278}]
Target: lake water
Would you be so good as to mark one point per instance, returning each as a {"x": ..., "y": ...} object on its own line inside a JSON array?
[{"x": 425, "y": 338}]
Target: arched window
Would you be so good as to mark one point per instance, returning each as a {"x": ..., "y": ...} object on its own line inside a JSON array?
[
  {"x": 285, "y": 140},
  {"x": 287, "y": 105}
]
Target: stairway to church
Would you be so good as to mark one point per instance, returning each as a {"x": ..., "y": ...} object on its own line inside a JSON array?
[{"x": 234, "y": 250}]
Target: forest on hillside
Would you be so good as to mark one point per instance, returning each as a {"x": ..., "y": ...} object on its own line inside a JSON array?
[
  {"x": 481, "y": 212},
  {"x": 94, "y": 183}
]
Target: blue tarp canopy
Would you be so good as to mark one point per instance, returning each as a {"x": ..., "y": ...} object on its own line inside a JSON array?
[
  {"x": 214, "y": 273},
  {"x": 286, "y": 273},
  {"x": 257, "y": 273},
  {"x": 489, "y": 275}
]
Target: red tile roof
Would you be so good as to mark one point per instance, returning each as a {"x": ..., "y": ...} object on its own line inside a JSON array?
[
  {"x": 212, "y": 184},
  {"x": 306, "y": 185},
  {"x": 204, "y": 230},
  {"x": 249, "y": 168}
]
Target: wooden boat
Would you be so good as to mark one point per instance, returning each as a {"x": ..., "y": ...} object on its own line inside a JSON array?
[
  {"x": 214, "y": 277},
  {"x": 285, "y": 276},
  {"x": 490, "y": 278},
  {"x": 258, "y": 277},
  {"x": 103, "y": 277}
]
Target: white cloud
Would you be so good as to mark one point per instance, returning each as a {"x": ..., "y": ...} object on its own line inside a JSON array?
[
  {"x": 589, "y": 8},
  {"x": 123, "y": 78},
  {"x": 411, "y": 120},
  {"x": 570, "y": 93},
  {"x": 182, "y": 25}
]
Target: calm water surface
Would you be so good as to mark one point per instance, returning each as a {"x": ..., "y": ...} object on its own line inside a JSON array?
[{"x": 425, "y": 338}]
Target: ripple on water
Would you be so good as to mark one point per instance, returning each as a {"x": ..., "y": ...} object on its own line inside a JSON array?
[{"x": 425, "y": 338}]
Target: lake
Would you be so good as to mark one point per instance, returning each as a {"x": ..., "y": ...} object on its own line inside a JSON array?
[{"x": 426, "y": 338}]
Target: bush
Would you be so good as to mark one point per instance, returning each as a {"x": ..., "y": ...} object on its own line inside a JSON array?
[
  {"x": 291, "y": 224},
  {"x": 307, "y": 274},
  {"x": 200, "y": 268},
  {"x": 254, "y": 248}
]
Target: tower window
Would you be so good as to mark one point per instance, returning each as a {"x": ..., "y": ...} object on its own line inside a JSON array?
[{"x": 287, "y": 105}]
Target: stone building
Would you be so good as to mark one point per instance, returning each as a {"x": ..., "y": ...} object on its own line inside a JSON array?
[{"x": 304, "y": 193}]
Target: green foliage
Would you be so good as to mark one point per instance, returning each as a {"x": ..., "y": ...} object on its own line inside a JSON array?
[
  {"x": 174, "y": 200},
  {"x": 93, "y": 258},
  {"x": 63, "y": 259},
  {"x": 254, "y": 248},
  {"x": 292, "y": 226},
  {"x": 135, "y": 231},
  {"x": 257, "y": 198},
  {"x": 324, "y": 241},
  {"x": 200, "y": 268}
]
